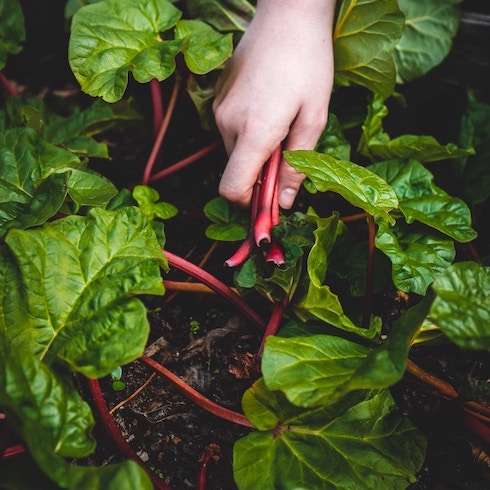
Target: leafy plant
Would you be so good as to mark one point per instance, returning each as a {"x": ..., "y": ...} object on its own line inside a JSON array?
[{"x": 78, "y": 255}]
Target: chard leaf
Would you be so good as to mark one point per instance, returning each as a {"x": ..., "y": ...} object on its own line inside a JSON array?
[
  {"x": 12, "y": 32},
  {"x": 356, "y": 184},
  {"x": 418, "y": 255},
  {"x": 421, "y": 148},
  {"x": 227, "y": 15},
  {"x": 88, "y": 188},
  {"x": 462, "y": 304},
  {"x": 420, "y": 200},
  {"x": 204, "y": 48},
  {"x": 47, "y": 411},
  {"x": 427, "y": 37},
  {"x": 229, "y": 222},
  {"x": 365, "y": 441},
  {"x": 127, "y": 475},
  {"x": 333, "y": 141},
  {"x": 79, "y": 278},
  {"x": 108, "y": 39},
  {"x": 147, "y": 199},
  {"x": 365, "y": 36}
]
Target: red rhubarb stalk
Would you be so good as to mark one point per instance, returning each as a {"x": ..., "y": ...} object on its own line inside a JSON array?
[{"x": 263, "y": 222}]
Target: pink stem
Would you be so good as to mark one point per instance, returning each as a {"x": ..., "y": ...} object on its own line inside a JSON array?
[
  {"x": 242, "y": 253},
  {"x": 201, "y": 476},
  {"x": 216, "y": 285},
  {"x": 161, "y": 134},
  {"x": 263, "y": 223},
  {"x": 195, "y": 396},
  {"x": 125, "y": 449},
  {"x": 156, "y": 96},
  {"x": 13, "y": 451},
  {"x": 7, "y": 86},
  {"x": 368, "y": 301},
  {"x": 184, "y": 162},
  {"x": 274, "y": 322},
  {"x": 275, "y": 254}
]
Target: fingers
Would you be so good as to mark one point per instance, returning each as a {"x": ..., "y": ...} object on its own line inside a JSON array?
[{"x": 303, "y": 135}]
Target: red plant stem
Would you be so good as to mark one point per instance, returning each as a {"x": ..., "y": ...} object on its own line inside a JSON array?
[
  {"x": 195, "y": 396},
  {"x": 201, "y": 476},
  {"x": 216, "y": 285},
  {"x": 368, "y": 300},
  {"x": 242, "y": 253},
  {"x": 156, "y": 97},
  {"x": 275, "y": 254},
  {"x": 13, "y": 451},
  {"x": 275, "y": 205},
  {"x": 441, "y": 386},
  {"x": 263, "y": 222},
  {"x": 110, "y": 426},
  {"x": 161, "y": 133},
  {"x": 353, "y": 217},
  {"x": 184, "y": 162},
  {"x": 7, "y": 86},
  {"x": 477, "y": 427},
  {"x": 274, "y": 322}
]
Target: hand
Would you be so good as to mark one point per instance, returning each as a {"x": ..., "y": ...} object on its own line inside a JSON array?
[{"x": 276, "y": 88}]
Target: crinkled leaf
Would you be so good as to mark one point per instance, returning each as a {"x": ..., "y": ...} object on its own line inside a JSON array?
[
  {"x": 47, "y": 411},
  {"x": 427, "y": 37},
  {"x": 108, "y": 39},
  {"x": 417, "y": 254},
  {"x": 227, "y": 15},
  {"x": 229, "y": 222},
  {"x": 462, "y": 304},
  {"x": 127, "y": 475},
  {"x": 421, "y": 148},
  {"x": 45, "y": 201},
  {"x": 202, "y": 97},
  {"x": 147, "y": 199},
  {"x": 88, "y": 188},
  {"x": 12, "y": 32},
  {"x": 81, "y": 275},
  {"x": 204, "y": 48},
  {"x": 333, "y": 141},
  {"x": 356, "y": 184},
  {"x": 361, "y": 441},
  {"x": 365, "y": 36},
  {"x": 420, "y": 200}
]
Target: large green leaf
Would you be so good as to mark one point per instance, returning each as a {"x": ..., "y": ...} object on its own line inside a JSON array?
[
  {"x": 12, "y": 32},
  {"x": 462, "y": 304},
  {"x": 317, "y": 370},
  {"x": 47, "y": 411},
  {"x": 358, "y": 185},
  {"x": 88, "y": 188},
  {"x": 365, "y": 36},
  {"x": 421, "y": 200},
  {"x": 204, "y": 48},
  {"x": 79, "y": 276},
  {"x": 361, "y": 441},
  {"x": 108, "y": 39},
  {"x": 427, "y": 37},
  {"x": 418, "y": 255},
  {"x": 229, "y": 223}
]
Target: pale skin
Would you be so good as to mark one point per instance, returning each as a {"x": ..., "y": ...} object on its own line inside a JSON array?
[{"x": 275, "y": 90}]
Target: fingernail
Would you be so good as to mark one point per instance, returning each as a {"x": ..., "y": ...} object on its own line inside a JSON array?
[{"x": 286, "y": 198}]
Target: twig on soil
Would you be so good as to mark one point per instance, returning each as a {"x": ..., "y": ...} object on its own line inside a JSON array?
[{"x": 133, "y": 395}]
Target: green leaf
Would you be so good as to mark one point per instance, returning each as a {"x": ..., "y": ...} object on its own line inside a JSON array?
[
  {"x": 147, "y": 199},
  {"x": 418, "y": 255},
  {"x": 204, "y": 48},
  {"x": 365, "y": 441},
  {"x": 462, "y": 304},
  {"x": 229, "y": 221},
  {"x": 356, "y": 184},
  {"x": 110, "y": 38},
  {"x": 427, "y": 37},
  {"x": 12, "y": 32},
  {"x": 88, "y": 188},
  {"x": 224, "y": 15},
  {"x": 420, "y": 200},
  {"x": 79, "y": 278},
  {"x": 127, "y": 475},
  {"x": 365, "y": 36},
  {"x": 333, "y": 141},
  {"x": 47, "y": 411}
]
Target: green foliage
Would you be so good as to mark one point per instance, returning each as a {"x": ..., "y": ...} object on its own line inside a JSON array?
[{"x": 12, "y": 31}]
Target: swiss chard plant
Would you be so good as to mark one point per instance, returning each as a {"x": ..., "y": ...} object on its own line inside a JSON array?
[{"x": 78, "y": 254}]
